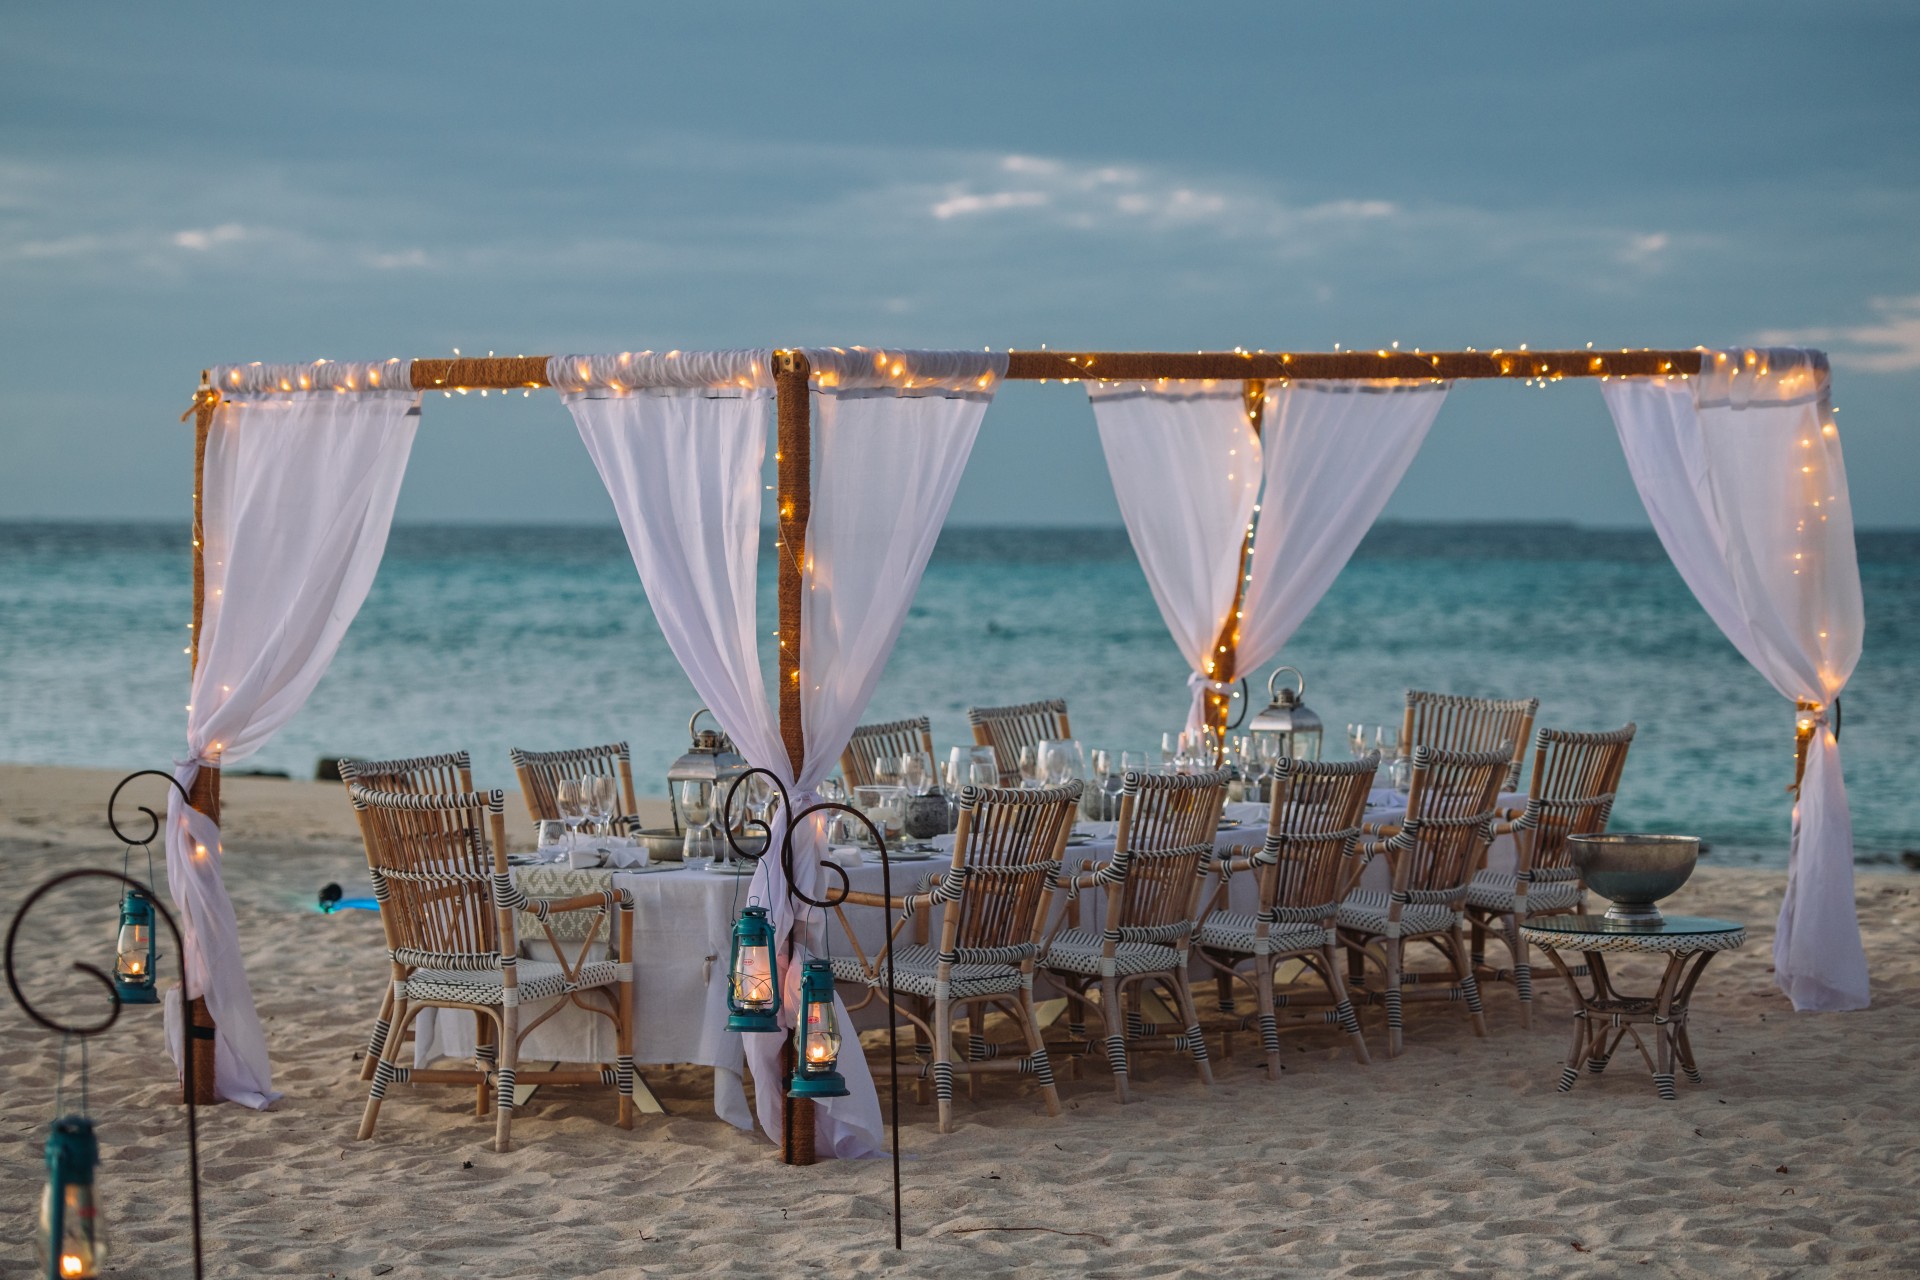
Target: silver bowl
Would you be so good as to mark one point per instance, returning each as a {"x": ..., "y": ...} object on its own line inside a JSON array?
[{"x": 1634, "y": 871}]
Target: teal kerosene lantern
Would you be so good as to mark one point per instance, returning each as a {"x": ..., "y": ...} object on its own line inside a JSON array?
[
  {"x": 135, "y": 958},
  {"x": 72, "y": 1242},
  {"x": 816, "y": 1037},
  {"x": 753, "y": 993}
]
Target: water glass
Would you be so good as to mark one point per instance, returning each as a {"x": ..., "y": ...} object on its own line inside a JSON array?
[
  {"x": 886, "y": 770},
  {"x": 886, "y": 809},
  {"x": 1029, "y": 765},
  {"x": 550, "y": 839},
  {"x": 984, "y": 773},
  {"x": 696, "y": 803},
  {"x": 916, "y": 772}
]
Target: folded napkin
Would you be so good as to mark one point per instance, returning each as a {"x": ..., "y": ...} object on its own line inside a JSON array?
[
  {"x": 624, "y": 853},
  {"x": 1245, "y": 811}
]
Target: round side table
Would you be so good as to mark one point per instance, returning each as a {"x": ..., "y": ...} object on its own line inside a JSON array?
[{"x": 1605, "y": 1017}]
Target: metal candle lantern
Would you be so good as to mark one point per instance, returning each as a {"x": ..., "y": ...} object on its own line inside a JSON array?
[
  {"x": 816, "y": 1037},
  {"x": 753, "y": 994},
  {"x": 710, "y": 759},
  {"x": 135, "y": 957},
  {"x": 72, "y": 1239},
  {"x": 1289, "y": 722}
]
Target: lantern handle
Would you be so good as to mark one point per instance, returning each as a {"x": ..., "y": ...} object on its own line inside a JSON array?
[
  {"x": 189, "y": 1032},
  {"x": 152, "y": 817},
  {"x": 695, "y": 719},
  {"x": 1274, "y": 679}
]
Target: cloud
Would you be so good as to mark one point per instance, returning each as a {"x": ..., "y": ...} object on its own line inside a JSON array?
[
  {"x": 1889, "y": 343},
  {"x": 961, "y": 204},
  {"x": 202, "y": 241}
]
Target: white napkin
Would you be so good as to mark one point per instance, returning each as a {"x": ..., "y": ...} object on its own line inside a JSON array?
[
  {"x": 627, "y": 854},
  {"x": 1245, "y": 811}
]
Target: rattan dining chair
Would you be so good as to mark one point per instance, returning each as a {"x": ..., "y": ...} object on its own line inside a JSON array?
[
  {"x": 1453, "y": 722},
  {"x": 1575, "y": 778},
  {"x": 888, "y": 740},
  {"x": 1306, "y": 868},
  {"x": 1151, "y": 888},
  {"x": 447, "y": 904},
  {"x": 993, "y": 898},
  {"x": 448, "y": 774},
  {"x": 1434, "y": 855},
  {"x": 542, "y": 771},
  {"x": 1007, "y": 729}
]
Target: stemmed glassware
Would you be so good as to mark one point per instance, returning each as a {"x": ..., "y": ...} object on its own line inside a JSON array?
[
  {"x": 1029, "y": 764},
  {"x": 571, "y": 794},
  {"x": 916, "y": 772},
  {"x": 600, "y": 794},
  {"x": 1357, "y": 740},
  {"x": 702, "y": 843}
]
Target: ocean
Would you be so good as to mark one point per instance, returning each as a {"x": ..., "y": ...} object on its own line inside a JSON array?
[{"x": 491, "y": 637}]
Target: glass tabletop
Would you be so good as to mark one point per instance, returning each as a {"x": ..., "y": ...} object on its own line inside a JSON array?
[{"x": 1668, "y": 926}]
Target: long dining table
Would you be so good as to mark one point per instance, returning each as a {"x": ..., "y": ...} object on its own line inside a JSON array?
[{"x": 683, "y": 930}]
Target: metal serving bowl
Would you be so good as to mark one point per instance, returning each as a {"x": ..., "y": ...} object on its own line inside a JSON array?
[{"x": 1634, "y": 871}]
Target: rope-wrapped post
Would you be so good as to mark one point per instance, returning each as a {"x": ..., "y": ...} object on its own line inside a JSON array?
[
  {"x": 1226, "y": 645},
  {"x": 205, "y": 793},
  {"x": 793, "y": 459}
]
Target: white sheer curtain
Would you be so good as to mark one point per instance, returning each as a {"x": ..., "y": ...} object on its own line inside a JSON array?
[
  {"x": 682, "y": 459},
  {"x": 1333, "y": 452},
  {"x": 303, "y": 467},
  {"x": 1741, "y": 472},
  {"x": 1185, "y": 464},
  {"x": 1188, "y": 469}
]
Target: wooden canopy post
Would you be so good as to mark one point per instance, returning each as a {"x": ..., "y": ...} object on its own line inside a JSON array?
[
  {"x": 793, "y": 459},
  {"x": 205, "y": 792},
  {"x": 1226, "y": 645}
]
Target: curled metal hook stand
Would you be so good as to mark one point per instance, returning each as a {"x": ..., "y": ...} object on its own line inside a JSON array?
[
  {"x": 152, "y": 817},
  {"x": 187, "y": 1030},
  {"x": 832, "y": 899}
]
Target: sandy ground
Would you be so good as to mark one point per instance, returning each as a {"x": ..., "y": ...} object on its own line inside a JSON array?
[{"x": 1799, "y": 1156}]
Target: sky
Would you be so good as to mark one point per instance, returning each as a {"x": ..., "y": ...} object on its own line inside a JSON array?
[{"x": 189, "y": 184}]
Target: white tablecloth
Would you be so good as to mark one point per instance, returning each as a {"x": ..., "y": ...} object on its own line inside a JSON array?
[{"x": 682, "y": 939}]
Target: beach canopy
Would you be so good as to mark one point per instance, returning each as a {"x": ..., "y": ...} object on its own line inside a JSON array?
[{"x": 1245, "y": 479}]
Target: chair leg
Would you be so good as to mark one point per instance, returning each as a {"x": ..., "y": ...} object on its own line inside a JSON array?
[
  {"x": 483, "y": 1052},
  {"x": 1343, "y": 1007},
  {"x": 1269, "y": 1026},
  {"x": 381, "y": 1026},
  {"x": 1522, "y": 967},
  {"x": 1393, "y": 997},
  {"x": 1113, "y": 1022},
  {"x": 1037, "y": 1049},
  {"x": 943, "y": 1060},
  {"x": 509, "y": 1063},
  {"x": 624, "y": 1066},
  {"x": 1469, "y": 984},
  {"x": 385, "y": 1070},
  {"x": 1196, "y": 1039}
]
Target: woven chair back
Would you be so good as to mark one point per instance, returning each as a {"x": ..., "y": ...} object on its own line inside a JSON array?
[
  {"x": 1313, "y": 823},
  {"x": 1007, "y": 729},
  {"x": 1006, "y": 854},
  {"x": 443, "y": 775},
  {"x": 1575, "y": 777},
  {"x": 1451, "y": 722},
  {"x": 886, "y": 741},
  {"x": 434, "y": 861},
  {"x": 1450, "y": 814},
  {"x": 541, "y": 772},
  {"x": 1164, "y": 847}
]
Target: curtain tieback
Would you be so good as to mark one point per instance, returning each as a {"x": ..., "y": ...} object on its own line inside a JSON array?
[{"x": 1809, "y": 717}]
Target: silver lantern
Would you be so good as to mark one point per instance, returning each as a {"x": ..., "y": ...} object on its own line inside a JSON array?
[
  {"x": 1288, "y": 727},
  {"x": 711, "y": 760}
]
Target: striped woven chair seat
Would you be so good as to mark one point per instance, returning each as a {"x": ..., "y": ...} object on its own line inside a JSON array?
[
  {"x": 1080, "y": 951},
  {"x": 539, "y": 980},
  {"x": 1233, "y": 931},
  {"x": 1494, "y": 891},
  {"x": 914, "y": 968},
  {"x": 1366, "y": 910}
]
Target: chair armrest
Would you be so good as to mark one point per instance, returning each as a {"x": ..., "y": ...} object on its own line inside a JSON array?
[
  {"x": 1388, "y": 829},
  {"x": 861, "y": 898},
  {"x": 579, "y": 902}
]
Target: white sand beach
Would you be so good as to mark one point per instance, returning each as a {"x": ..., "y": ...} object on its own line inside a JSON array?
[{"x": 1799, "y": 1156}]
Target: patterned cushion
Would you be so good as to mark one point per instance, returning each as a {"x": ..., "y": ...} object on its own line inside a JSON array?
[
  {"x": 539, "y": 980},
  {"x": 1493, "y": 891},
  {"x": 1233, "y": 931},
  {"x": 1079, "y": 951},
  {"x": 914, "y": 969},
  {"x": 1366, "y": 911}
]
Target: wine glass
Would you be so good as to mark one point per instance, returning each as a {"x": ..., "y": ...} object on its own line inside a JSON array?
[
  {"x": 958, "y": 771},
  {"x": 834, "y": 791},
  {"x": 886, "y": 770},
  {"x": 1029, "y": 765},
  {"x": 1386, "y": 739},
  {"x": 1170, "y": 750},
  {"x": 600, "y": 806},
  {"x": 571, "y": 795},
  {"x": 984, "y": 773},
  {"x": 1357, "y": 740},
  {"x": 916, "y": 772}
]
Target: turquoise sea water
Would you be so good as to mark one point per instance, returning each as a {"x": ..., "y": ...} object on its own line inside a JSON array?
[{"x": 486, "y": 638}]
